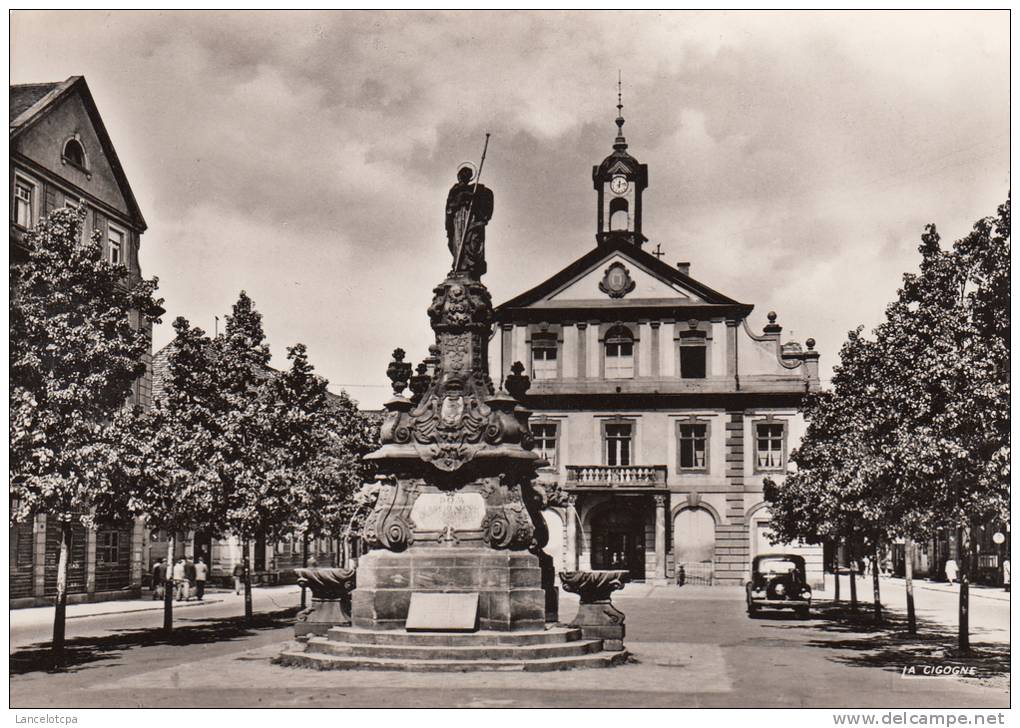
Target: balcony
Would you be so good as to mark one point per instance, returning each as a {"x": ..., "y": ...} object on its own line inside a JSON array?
[{"x": 616, "y": 477}]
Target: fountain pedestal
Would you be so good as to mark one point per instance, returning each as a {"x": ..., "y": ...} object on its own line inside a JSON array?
[{"x": 458, "y": 517}]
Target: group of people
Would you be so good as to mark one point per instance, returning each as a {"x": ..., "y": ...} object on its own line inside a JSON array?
[{"x": 182, "y": 578}]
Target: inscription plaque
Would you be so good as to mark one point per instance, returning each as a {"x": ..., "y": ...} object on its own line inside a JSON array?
[
  {"x": 443, "y": 612},
  {"x": 457, "y": 511}
]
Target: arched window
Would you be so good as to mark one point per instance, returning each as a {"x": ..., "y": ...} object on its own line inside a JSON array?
[
  {"x": 74, "y": 153},
  {"x": 619, "y": 353},
  {"x": 619, "y": 214}
]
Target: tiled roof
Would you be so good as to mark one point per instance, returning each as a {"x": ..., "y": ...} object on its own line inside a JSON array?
[{"x": 26, "y": 95}]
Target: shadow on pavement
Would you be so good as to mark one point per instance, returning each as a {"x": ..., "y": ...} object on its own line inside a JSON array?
[
  {"x": 81, "y": 651},
  {"x": 855, "y": 639}
]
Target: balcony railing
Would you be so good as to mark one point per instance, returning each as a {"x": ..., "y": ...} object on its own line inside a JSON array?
[{"x": 621, "y": 477}]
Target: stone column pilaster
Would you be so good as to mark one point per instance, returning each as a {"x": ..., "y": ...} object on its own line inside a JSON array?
[
  {"x": 660, "y": 537},
  {"x": 582, "y": 350}
]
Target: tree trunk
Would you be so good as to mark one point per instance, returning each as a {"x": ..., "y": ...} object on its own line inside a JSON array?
[
  {"x": 304, "y": 561},
  {"x": 60, "y": 611},
  {"x": 963, "y": 571},
  {"x": 168, "y": 586},
  {"x": 853, "y": 579},
  {"x": 835, "y": 573},
  {"x": 247, "y": 584},
  {"x": 875, "y": 585},
  {"x": 908, "y": 577}
]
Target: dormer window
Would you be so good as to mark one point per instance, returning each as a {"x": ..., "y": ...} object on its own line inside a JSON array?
[
  {"x": 619, "y": 353},
  {"x": 74, "y": 154}
]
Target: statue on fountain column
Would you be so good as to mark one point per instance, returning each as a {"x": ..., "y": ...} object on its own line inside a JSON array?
[{"x": 468, "y": 211}]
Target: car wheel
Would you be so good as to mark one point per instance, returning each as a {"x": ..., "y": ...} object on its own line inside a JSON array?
[
  {"x": 752, "y": 610},
  {"x": 803, "y": 613}
]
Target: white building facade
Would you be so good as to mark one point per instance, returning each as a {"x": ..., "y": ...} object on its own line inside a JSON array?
[{"x": 659, "y": 410}]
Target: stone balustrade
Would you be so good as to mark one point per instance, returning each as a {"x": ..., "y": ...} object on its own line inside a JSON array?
[{"x": 616, "y": 476}]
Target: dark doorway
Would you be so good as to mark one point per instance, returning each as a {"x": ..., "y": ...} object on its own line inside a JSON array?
[
  {"x": 618, "y": 540},
  {"x": 203, "y": 548}
]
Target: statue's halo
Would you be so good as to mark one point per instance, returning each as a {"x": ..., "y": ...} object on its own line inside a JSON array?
[{"x": 471, "y": 165}]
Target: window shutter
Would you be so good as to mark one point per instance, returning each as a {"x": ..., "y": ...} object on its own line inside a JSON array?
[
  {"x": 99, "y": 223},
  {"x": 49, "y": 200}
]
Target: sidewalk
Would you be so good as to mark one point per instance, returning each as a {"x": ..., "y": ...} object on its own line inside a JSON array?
[
  {"x": 976, "y": 590},
  {"x": 116, "y": 606},
  {"x": 32, "y": 615},
  {"x": 981, "y": 591}
]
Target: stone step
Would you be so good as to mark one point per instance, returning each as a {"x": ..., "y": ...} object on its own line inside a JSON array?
[
  {"x": 548, "y": 664},
  {"x": 353, "y": 635},
  {"x": 321, "y": 645}
]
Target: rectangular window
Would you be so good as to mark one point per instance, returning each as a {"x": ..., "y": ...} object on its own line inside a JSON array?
[
  {"x": 24, "y": 203},
  {"x": 107, "y": 547},
  {"x": 693, "y": 446},
  {"x": 618, "y": 444},
  {"x": 692, "y": 361},
  {"x": 543, "y": 358},
  {"x": 769, "y": 444},
  {"x": 545, "y": 440},
  {"x": 620, "y": 360},
  {"x": 115, "y": 240}
]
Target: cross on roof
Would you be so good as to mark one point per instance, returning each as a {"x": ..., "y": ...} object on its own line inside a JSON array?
[{"x": 658, "y": 251}]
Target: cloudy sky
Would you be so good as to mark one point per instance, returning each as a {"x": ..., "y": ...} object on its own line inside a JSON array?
[{"x": 305, "y": 157}]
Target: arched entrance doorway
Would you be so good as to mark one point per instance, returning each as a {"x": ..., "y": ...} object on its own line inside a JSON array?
[
  {"x": 618, "y": 540},
  {"x": 694, "y": 545}
]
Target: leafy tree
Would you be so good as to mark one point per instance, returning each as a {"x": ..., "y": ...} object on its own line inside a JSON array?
[
  {"x": 172, "y": 474},
  {"x": 321, "y": 442},
  {"x": 953, "y": 454},
  {"x": 836, "y": 492},
  {"x": 914, "y": 436},
  {"x": 75, "y": 355},
  {"x": 258, "y": 501}
]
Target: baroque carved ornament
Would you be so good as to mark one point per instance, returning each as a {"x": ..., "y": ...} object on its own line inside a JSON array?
[{"x": 617, "y": 283}]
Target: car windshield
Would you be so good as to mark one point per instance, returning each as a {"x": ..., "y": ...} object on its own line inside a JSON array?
[{"x": 776, "y": 566}]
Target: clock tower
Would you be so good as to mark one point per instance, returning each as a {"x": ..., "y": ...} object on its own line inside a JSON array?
[{"x": 619, "y": 183}]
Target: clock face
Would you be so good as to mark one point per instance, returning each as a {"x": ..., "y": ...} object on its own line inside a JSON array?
[{"x": 619, "y": 184}]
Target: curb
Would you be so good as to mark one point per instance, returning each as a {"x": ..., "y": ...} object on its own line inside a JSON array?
[
  {"x": 973, "y": 592},
  {"x": 146, "y": 609}
]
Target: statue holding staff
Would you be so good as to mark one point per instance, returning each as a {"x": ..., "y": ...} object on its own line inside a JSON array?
[{"x": 468, "y": 211}]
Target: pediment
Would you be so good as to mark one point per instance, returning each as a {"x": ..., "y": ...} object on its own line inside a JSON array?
[
  {"x": 619, "y": 278},
  {"x": 617, "y": 274},
  {"x": 41, "y": 131}
]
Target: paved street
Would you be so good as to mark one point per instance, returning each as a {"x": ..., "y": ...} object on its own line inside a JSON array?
[{"x": 693, "y": 646}]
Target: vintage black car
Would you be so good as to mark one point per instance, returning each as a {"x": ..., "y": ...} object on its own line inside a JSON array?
[{"x": 778, "y": 581}]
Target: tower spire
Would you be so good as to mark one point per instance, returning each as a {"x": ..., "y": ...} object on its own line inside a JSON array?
[{"x": 621, "y": 143}]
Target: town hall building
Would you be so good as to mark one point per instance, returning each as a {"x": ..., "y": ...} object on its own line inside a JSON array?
[{"x": 659, "y": 410}]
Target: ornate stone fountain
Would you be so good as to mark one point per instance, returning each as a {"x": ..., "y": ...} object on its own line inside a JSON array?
[{"x": 456, "y": 578}]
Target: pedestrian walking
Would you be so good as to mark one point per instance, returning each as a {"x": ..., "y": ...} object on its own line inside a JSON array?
[
  {"x": 159, "y": 579},
  {"x": 181, "y": 580},
  {"x": 951, "y": 570},
  {"x": 189, "y": 572},
  {"x": 1005, "y": 574},
  {"x": 201, "y": 572},
  {"x": 238, "y": 578}
]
